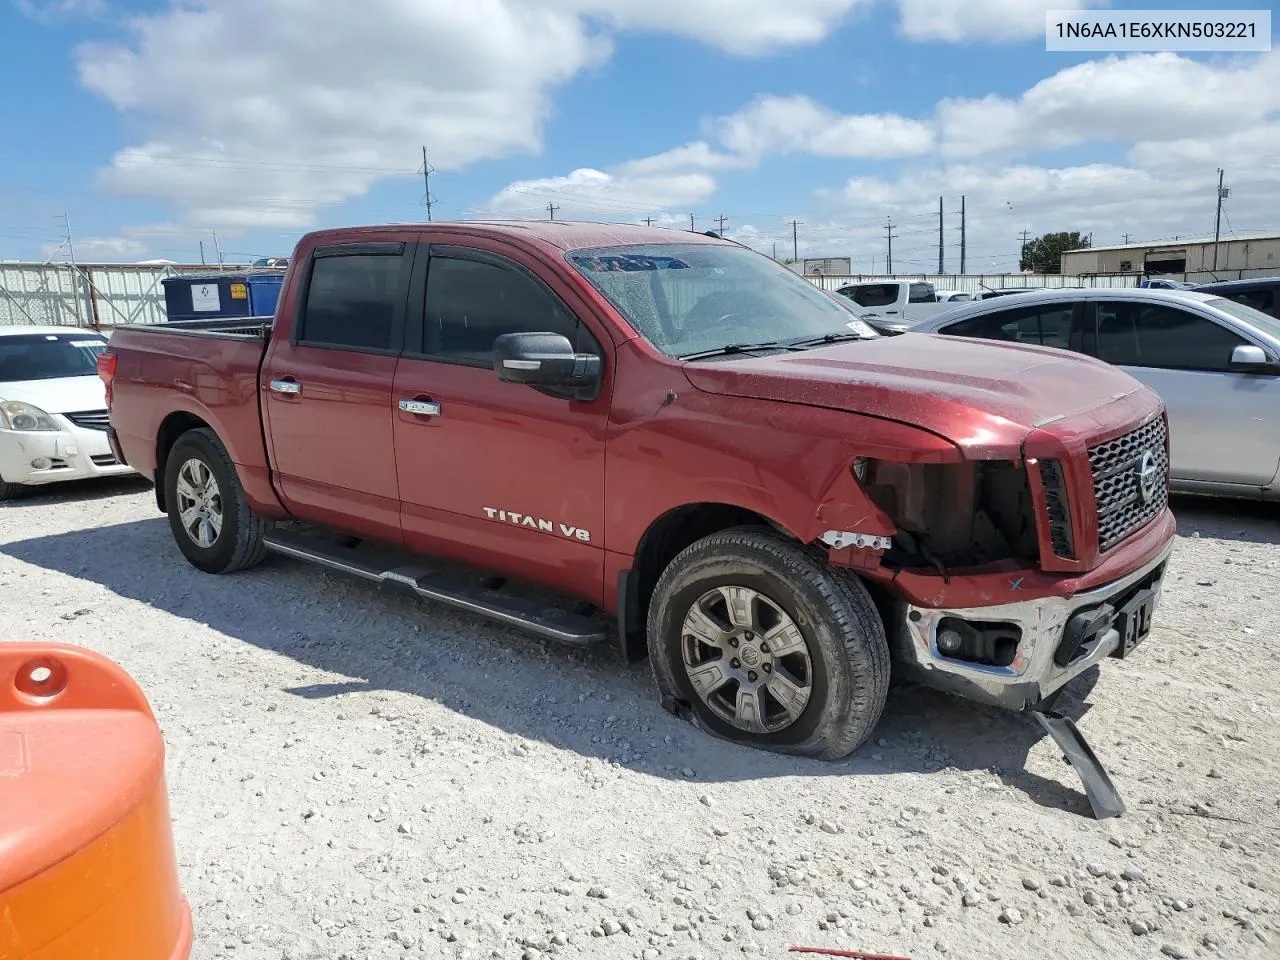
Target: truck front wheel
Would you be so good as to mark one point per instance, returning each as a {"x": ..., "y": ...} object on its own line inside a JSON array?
[
  {"x": 211, "y": 522},
  {"x": 768, "y": 646}
]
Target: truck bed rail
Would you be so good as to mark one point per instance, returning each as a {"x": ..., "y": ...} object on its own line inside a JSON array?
[{"x": 256, "y": 328}]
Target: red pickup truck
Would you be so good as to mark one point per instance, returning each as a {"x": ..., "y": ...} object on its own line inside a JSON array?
[{"x": 676, "y": 434}]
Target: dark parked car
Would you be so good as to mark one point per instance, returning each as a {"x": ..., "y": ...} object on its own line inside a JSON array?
[{"x": 1261, "y": 294}]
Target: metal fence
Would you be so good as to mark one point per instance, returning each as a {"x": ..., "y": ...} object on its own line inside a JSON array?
[
  {"x": 976, "y": 283},
  {"x": 109, "y": 295},
  {"x": 87, "y": 295}
]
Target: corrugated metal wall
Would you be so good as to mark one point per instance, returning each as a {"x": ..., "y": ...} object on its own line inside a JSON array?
[
  {"x": 86, "y": 295},
  {"x": 109, "y": 295}
]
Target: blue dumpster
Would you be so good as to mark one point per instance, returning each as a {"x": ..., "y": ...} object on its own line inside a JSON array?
[{"x": 218, "y": 295}]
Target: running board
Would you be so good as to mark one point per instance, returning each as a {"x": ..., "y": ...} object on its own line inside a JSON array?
[
  {"x": 1103, "y": 796},
  {"x": 559, "y": 625}
]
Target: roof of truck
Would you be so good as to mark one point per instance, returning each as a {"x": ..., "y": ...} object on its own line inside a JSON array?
[{"x": 561, "y": 234}]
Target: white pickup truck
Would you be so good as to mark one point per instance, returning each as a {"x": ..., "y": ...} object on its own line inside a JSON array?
[{"x": 892, "y": 306}]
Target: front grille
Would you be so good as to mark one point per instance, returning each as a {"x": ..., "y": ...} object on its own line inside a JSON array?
[
  {"x": 104, "y": 460},
  {"x": 90, "y": 419},
  {"x": 1056, "y": 506},
  {"x": 1118, "y": 467}
]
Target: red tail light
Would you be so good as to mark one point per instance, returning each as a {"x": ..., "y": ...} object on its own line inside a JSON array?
[{"x": 107, "y": 370}]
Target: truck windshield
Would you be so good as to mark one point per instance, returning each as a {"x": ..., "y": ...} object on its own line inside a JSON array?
[
  {"x": 48, "y": 356},
  {"x": 698, "y": 298}
]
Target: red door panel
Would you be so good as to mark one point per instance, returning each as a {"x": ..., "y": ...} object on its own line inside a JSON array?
[
  {"x": 502, "y": 476},
  {"x": 332, "y": 440}
]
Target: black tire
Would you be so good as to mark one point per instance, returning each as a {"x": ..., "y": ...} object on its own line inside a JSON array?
[
  {"x": 11, "y": 491},
  {"x": 238, "y": 544},
  {"x": 848, "y": 654}
]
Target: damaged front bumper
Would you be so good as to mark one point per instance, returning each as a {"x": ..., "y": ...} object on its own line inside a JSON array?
[{"x": 1017, "y": 655}]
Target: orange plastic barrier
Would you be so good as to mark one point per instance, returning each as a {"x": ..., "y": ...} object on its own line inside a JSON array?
[{"x": 87, "y": 868}]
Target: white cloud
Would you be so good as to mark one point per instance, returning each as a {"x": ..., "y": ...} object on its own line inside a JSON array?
[
  {"x": 317, "y": 102},
  {"x": 958, "y": 21},
  {"x": 51, "y": 11},
  {"x": 799, "y": 125},
  {"x": 1153, "y": 97},
  {"x": 97, "y": 250},
  {"x": 692, "y": 156},
  {"x": 739, "y": 26},
  {"x": 595, "y": 193}
]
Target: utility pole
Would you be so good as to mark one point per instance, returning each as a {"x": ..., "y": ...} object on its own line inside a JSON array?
[
  {"x": 775, "y": 249},
  {"x": 427, "y": 170},
  {"x": 1223, "y": 193},
  {"x": 217, "y": 249},
  {"x": 941, "y": 246},
  {"x": 1022, "y": 251},
  {"x": 202, "y": 252},
  {"x": 648, "y": 221},
  {"x": 1126, "y": 238},
  {"x": 691, "y": 226},
  {"x": 71, "y": 248},
  {"x": 551, "y": 209},
  {"x": 795, "y": 242},
  {"x": 962, "y": 237},
  {"x": 888, "y": 260},
  {"x": 720, "y": 220}
]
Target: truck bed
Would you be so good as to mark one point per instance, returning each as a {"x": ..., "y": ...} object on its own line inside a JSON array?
[{"x": 192, "y": 372}]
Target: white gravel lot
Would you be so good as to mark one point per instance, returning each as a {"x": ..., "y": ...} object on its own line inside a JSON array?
[{"x": 355, "y": 774}]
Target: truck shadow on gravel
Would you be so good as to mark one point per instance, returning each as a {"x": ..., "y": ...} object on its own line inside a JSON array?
[
  {"x": 1247, "y": 521},
  {"x": 585, "y": 701},
  {"x": 78, "y": 491}
]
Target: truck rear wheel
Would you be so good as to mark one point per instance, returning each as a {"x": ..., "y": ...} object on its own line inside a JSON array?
[
  {"x": 768, "y": 646},
  {"x": 211, "y": 522}
]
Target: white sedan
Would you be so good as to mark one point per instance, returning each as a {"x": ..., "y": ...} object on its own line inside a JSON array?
[{"x": 53, "y": 408}]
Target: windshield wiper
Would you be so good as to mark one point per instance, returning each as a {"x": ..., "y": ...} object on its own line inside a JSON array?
[
  {"x": 826, "y": 338},
  {"x": 732, "y": 348}
]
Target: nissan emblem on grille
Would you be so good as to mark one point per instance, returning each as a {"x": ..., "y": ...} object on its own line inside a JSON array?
[
  {"x": 1130, "y": 481},
  {"x": 1148, "y": 477}
]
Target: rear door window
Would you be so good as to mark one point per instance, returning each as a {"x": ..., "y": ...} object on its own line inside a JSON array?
[
  {"x": 1048, "y": 326},
  {"x": 874, "y": 295},
  {"x": 356, "y": 300},
  {"x": 1135, "y": 334}
]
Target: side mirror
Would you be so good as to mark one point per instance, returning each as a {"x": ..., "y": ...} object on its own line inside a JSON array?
[
  {"x": 1248, "y": 357},
  {"x": 546, "y": 360}
]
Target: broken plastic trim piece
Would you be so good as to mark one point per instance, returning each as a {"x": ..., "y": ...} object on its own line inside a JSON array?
[
  {"x": 839, "y": 539},
  {"x": 1103, "y": 796}
]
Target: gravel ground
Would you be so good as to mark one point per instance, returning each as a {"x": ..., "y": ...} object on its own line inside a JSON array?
[{"x": 354, "y": 774}]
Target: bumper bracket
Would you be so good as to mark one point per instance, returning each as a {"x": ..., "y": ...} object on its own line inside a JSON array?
[{"x": 1103, "y": 796}]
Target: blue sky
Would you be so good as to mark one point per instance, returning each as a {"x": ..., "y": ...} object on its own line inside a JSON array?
[{"x": 154, "y": 127}]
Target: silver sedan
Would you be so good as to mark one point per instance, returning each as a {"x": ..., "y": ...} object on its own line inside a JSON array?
[{"x": 1215, "y": 363}]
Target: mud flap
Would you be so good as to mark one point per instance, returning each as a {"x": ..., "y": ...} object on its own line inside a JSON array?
[{"x": 1103, "y": 796}]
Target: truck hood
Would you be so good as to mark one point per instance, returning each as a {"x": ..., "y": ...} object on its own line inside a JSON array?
[
  {"x": 984, "y": 397},
  {"x": 62, "y": 395}
]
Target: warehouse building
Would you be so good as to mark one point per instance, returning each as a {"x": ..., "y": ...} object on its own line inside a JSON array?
[{"x": 1190, "y": 259}]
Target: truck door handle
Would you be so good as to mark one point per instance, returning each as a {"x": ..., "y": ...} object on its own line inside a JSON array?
[
  {"x": 422, "y": 408},
  {"x": 287, "y": 387}
]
